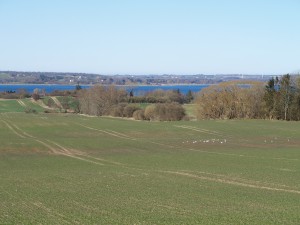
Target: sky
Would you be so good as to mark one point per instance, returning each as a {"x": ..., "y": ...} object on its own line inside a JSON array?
[{"x": 151, "y": 36}]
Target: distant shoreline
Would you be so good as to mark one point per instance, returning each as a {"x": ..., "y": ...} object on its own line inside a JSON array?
[
  {"x": 118, "y": 85},
  {"x": 137, "y": 89}
]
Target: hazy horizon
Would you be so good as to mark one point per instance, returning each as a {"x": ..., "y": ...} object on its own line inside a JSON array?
[{"x": 161, "y": 74}]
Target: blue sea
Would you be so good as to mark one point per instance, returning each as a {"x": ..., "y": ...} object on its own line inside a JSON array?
[{"x": 137, "y": 90}]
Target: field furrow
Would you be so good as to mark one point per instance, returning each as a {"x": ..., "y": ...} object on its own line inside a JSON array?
[{"x": 72, "y": 169}]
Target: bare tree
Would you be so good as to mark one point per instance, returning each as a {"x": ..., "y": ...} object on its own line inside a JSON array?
[
  {"x": 231, "y": 100},
  {"x": 286, "y": 94},
  {"x": 99, "y": 100}
]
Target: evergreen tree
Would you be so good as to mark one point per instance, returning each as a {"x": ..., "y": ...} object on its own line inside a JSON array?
[
  {"x": 189, "y": 96},
  {"x": 269, "y": 97},
  {"x": 78, "y": 87}
]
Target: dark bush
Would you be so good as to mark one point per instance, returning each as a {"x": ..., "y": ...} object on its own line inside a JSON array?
[
  {"x": 51, "y": 103},
  {"x": 129, "y": 110},
  {"x": 165, "y": 112},
  {"x": 63, "y": 93},
  {"x": 139, "y": 114},
  {"x": 35, "y": 96},
  {"x": 117, "y": 110},
  {"x": 30, "y": 110}
]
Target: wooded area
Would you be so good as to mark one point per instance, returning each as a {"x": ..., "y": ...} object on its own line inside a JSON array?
[
  {"x": 279, "y": 99},
  {"x": 108, "y": 100}
]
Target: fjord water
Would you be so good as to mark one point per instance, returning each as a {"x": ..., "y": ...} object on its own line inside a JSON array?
[{"x": 137, "y": 90}]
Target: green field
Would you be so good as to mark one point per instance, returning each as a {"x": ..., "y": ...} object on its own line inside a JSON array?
[
  {"x": 72, "y": 169},
  {"x": 4, "y": 76},
  {"x": 19, "y": 105}
]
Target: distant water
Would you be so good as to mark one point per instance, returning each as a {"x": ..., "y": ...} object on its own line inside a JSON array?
[
  {"x": 140, "y": 90},
  {"x": 137, "y": 90},
  {"x": 30, "y": 87}
]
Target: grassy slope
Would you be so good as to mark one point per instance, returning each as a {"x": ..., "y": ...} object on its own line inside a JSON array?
[
  {"x": 4, "y": 76},
  {"x": 10, "y": 106},
  {"x": 144, "y": 173},
  {"x": 13, "y": 105},
  {"x": 190, "y": 110}
]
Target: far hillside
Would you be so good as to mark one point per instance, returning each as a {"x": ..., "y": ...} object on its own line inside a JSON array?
[{"x": 278, "y": 99}]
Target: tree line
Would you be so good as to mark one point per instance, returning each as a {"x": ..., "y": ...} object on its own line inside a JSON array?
[
  {"x": 111, "y": 101},
  {"x": 279, "y": 99},
  {"x": 282, "y": 98}
]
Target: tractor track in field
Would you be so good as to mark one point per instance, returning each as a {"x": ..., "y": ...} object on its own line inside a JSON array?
[
  {"x": 40, "y": 103},
  {"x": 11, "y": 129},
  {"x": 124, "y": 136},
  {"x": 24, "y": 133},
  {"x": 210, "y": 132},
  {"x": 109, "y": 132},
  {"x": 219, "y": 153},
  {"x": 238, "y": 179},
  {"x": 120, "y": 135},
  {"x": 218, "y": 178},
  {"x": 73, "y": 153},
  {"x": 54, "y": 213},
  {"x": 201, "y": 130},
  {"x": 227, "y": 136},
  {"x": 57, "y": 102},
  {"x": 61, "y": 150},
  {"x": 240, "y": 155},
  {"x": 21, "y": 102},
  {"x": 53, "y": 147},
  {"x": 231, "y": 182},
  {"x": 32, "y": 206}
]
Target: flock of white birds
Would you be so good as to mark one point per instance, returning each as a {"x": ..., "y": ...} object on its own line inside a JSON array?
[{"x": 221, "y": 141}]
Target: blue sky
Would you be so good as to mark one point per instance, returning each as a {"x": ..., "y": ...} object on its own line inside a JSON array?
[{"x": 151, "y": 36}]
